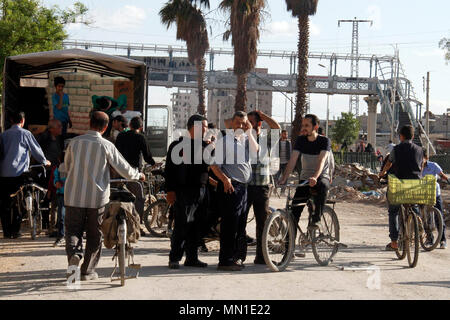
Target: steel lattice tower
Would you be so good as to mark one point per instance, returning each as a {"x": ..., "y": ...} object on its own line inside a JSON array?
[{"x": 354, "y": 71}]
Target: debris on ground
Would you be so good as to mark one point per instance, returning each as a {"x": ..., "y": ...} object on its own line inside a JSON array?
[{"x": 352, "y": 182}]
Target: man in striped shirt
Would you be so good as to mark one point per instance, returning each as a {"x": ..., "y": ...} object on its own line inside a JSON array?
[{"x": 87, "y": 162}]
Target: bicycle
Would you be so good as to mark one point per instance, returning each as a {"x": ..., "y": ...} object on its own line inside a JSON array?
[
  {"x": 28, "y": 197},
  {"x": 431, "y": 227},
  {"x": 158, "y": 218},
  {"x": 408, "y": 236},
  {"x": 278, "y": 238},
  {"x": 123, "y": 248}
]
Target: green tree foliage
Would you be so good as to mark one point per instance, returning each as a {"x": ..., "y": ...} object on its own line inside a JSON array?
[
  {"x": 445, "y": 45},
  {"x": 346, "y": 129},
  {"x": 27, "y": 26}
]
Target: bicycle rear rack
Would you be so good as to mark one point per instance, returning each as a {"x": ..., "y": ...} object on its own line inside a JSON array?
[{"x": 137, "y": 267}]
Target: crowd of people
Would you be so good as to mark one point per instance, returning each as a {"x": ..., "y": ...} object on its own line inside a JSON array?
[{"x": 226, "y": 186}]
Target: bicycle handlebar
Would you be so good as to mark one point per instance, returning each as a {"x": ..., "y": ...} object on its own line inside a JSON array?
[
  {"x": 303, "y": 184},
  {"x": 125, "y": 181},
  {"x": 33, "y": 185},
  {"x": 36, "y": 166}
]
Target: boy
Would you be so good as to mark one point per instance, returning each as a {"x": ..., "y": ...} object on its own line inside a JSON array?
[
  {"x": 434, "y": 169},
  {"x": 59, "y": 179},
  {"x": 61, "y": 105}
]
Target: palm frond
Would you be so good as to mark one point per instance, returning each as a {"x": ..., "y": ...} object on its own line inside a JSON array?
[{"x": 299, "y": 7}]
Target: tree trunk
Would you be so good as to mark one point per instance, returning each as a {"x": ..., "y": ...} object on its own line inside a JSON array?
[
  {"x": 241, "y": 93},
  {"x": 302, "y": 79},
  {"x": 200, "y": 63}
]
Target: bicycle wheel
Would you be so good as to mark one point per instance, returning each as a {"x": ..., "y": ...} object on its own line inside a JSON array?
[
  {"x": 34, "y": 227},
  {"x": 402, "y": 243},
  {"x": 433, "y": 224},
  {"x": 156, "y": 218},
  {"x": 412, "y": 226},
  {"x": 122, "y": 263},
  {"x": 278, "y": 240},
  {"x": 325, "y": 239}
]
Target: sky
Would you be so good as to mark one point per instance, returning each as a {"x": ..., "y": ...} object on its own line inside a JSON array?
[{"x": 413, "y": 26}]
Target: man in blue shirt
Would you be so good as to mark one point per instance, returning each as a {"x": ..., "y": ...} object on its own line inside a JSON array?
[
  {"x": 15, "y": 145},
  {"x": 434, "y": 169},
  {"x": 61, "y": 105}
]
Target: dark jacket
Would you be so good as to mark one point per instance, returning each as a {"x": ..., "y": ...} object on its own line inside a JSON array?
[{"x": 131, "y": 145}]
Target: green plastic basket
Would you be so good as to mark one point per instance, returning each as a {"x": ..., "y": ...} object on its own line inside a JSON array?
[{"x": 412, "y": 191}]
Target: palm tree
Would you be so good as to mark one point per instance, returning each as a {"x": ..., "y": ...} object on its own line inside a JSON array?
[
  {"x": 191, "y": 27},
  {"x": 245, "y": 16},
  {"x": 301, "y": 9}
]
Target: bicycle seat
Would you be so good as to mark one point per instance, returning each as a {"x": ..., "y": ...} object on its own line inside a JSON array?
[{"x": 121, "y": 195}]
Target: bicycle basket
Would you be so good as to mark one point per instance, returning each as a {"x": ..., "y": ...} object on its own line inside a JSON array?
[{"x": 412, "y": 191}]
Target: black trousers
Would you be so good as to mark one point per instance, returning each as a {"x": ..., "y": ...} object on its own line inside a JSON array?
[
  {"x": 258, "y": 197},
  {"x": 11, "y": 221},
  {"x": 233, "y": 207},
  {"x": 319, "y": 193},
  {"x": 189, "y": 213},
  {"x": 76, "y": 221}
]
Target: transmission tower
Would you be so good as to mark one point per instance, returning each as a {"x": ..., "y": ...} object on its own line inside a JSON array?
[{"x": 354, "y": 71}]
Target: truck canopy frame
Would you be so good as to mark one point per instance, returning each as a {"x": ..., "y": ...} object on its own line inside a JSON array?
[{"x": 38, "y": 66}]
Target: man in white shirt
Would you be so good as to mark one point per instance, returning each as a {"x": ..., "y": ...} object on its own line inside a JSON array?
[{"x": 86, "y": 193}]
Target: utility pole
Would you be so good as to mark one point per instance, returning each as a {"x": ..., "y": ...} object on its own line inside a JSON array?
[
  {"x": 427, "y": 116},
  {"x": 354, "y": 71}
]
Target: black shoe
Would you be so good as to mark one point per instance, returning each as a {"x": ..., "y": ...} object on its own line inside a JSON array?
[
  {"x": 174, "y": 265},
  {"x": 16, "y": 235},
  {"x": 195, "y": 264},
  {"x": 259, "y": 261},
  {"x": 143, "y": 234},
  {"x": 6, "y": 236},
  {"x": 233, "y": 267},
  {"x": 203, "y": 248},
  {"x": 250, "y": 241}
]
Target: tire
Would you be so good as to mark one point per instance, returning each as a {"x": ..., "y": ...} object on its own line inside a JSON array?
[
  {"x": 156, "y": 218},
  {"x": 278, "y": 239},
  {"x": 325, "y": 240},
  {"x": 402, "y": 243},
  {"x": 433, "y": 223},
  {"x": 413, "y": 238},
  {"x": 34, "y": 228}
]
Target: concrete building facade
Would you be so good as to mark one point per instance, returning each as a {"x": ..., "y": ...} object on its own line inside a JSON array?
[{"x": 184, "y": 105}]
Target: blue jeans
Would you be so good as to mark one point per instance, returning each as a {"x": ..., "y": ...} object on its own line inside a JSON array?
[
  {"x": 61, "y": 215},
  {"x": 438, "y": 205},
  {"x": 393, "y": 221}
]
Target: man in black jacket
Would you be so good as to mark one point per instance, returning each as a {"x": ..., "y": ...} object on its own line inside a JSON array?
[
  {"x": 132, "y": 144},
  {"x": 186, "y": 183},
  {"x": 406, "y": 162}
]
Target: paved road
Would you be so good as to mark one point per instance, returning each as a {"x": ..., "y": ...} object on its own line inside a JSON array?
[{"x": 36, "y": 270}]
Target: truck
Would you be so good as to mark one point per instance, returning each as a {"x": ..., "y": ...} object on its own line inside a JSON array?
[{"x": 28, "y": 86}]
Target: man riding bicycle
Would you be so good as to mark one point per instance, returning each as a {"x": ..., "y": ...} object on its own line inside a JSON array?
[{"x": 314, "y": 150}]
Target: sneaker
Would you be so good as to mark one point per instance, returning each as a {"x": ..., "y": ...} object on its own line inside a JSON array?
[
  {"x": 174, "y": 265},
  {"x": 250, "y": 241},
  {"x": 195, "y": 264},
  {"x": 143, "y": 234},
  {"x": 443, "y": 244},
  {"x": 58, "y": 242},
  {"x": 90, "y": 276},
  {"x": 392, "y": 246},
  {"x": 232, "y": 267},
  {"x": 240, "y": 263},
  {"x": 74, "y": 261}
]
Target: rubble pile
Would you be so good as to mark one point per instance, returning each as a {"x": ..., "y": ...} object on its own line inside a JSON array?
[{"x": 349, "y": 181}]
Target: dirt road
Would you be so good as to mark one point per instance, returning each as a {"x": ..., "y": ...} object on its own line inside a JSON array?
[{"x": 35, "y": 270}]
